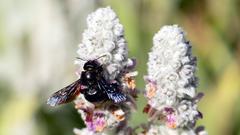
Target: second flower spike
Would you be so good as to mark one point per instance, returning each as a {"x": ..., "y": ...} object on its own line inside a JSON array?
[{"x": 171, "y": 84}]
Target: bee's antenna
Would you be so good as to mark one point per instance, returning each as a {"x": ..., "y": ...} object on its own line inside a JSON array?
[
  {"x": 104, "y": 55},
  {"x": 81, "y": 59},
  {"x": 101, "y": 56}
]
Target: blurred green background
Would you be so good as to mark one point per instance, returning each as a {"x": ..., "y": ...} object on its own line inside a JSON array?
[{"x": 38, "y": 43}]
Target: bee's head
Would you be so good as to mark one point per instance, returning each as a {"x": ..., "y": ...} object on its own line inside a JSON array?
[{"x": 91, "y": 65}]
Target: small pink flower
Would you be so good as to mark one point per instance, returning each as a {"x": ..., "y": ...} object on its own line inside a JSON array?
[
  {"x": 171, "y": 120},
  {"x": 90, "y": 126},
  {"x": 100, "y": 124},
  {"x": 97, "y": 123}
]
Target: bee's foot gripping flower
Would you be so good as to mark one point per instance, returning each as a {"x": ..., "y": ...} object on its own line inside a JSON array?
[
  {"x": 104, "y": 41},
  {"x": 171, "y": 84}
]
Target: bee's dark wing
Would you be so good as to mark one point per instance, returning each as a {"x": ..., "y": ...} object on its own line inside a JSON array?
[
  {"x": 112, "y": 91},
  {"x": 65, "y": 95}
]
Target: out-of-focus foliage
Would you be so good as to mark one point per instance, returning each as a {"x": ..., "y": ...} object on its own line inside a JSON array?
[{"x": 38, "y": 43}]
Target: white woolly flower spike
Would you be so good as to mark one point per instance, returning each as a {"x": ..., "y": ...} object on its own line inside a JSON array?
[
  {"x": 171, "y": 82},
  {"x": 104, "y": 41}
]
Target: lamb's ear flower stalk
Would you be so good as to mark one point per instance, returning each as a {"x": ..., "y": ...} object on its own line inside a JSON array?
[
  {"x": 171, "y": 85},
  {"x": 104, "y": 40}
]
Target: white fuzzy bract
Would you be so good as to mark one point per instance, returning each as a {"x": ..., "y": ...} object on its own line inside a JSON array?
[
  {"x": 172, "y": 65},
  {"x": 171, "y": 81},
  {"x": 104, "y": 37}
]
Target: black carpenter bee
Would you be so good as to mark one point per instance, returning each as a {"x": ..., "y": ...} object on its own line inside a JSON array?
[{"x": 92, "y": 84}]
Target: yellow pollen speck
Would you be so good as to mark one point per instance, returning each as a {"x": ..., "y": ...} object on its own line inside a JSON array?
[
  {"x": 119, "y": 115},
  {"x": 100, "y": 128},
  {"x": 131, "y": 84},
  {"x": 151, "y": 90},
  {"x": 172, "y": 125}
]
